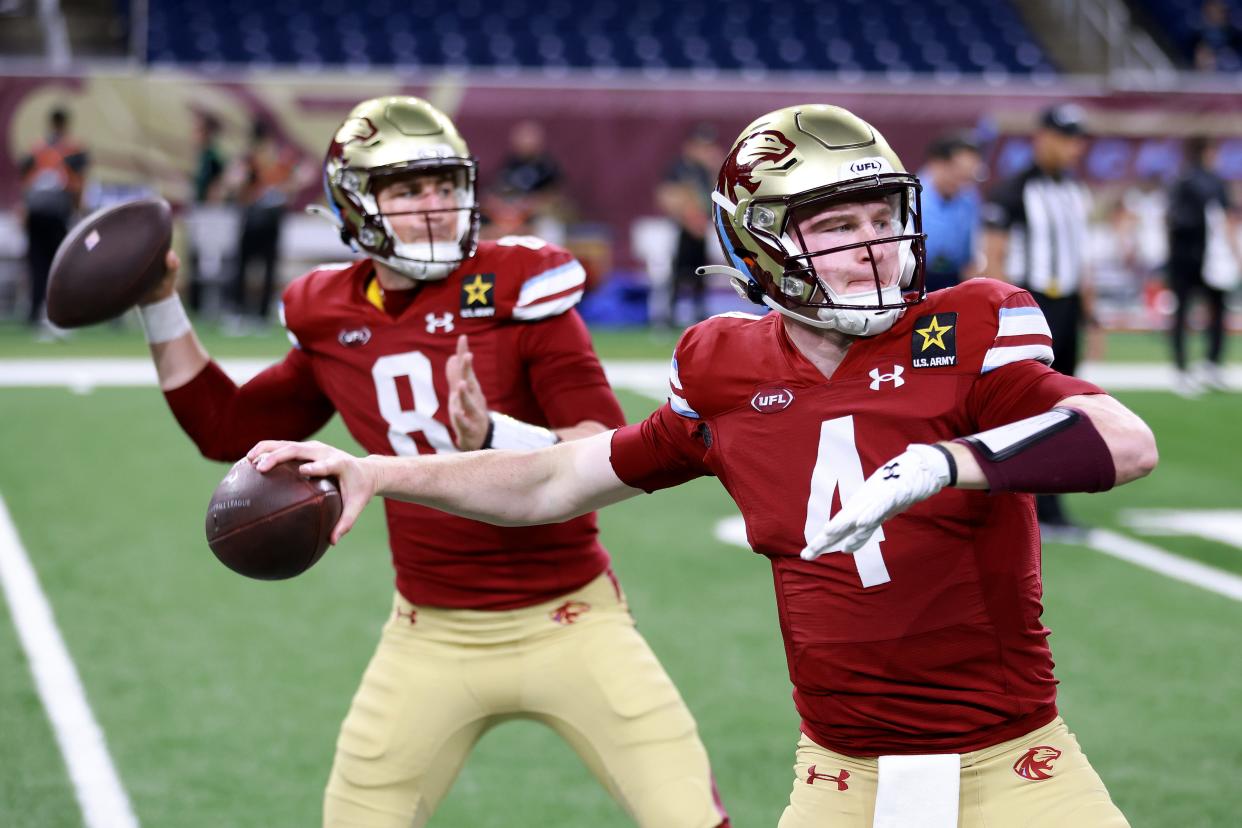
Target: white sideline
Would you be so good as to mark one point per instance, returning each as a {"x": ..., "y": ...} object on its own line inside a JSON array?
[
  {"x": 1166, "y": 563},
  {"x": 647, "y": 377},
  {"x": 96, "y": 783}
]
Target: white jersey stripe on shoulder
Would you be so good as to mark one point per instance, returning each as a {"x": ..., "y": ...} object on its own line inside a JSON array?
[
  {"x": 736, "y": 315},
  {"x": 1024, "y": 325},
  {"x": 556, "y": 280},
  {"x": 673, "y": 377},
  {"x": 1024, "y": 310},
  {"x": 996, "y": 357},
  {"x": 280, "y": 311},
  {"x": 335, "y": 265},
  {"x": 682, "y": 407},
  {"x": 546, "y": 309}
]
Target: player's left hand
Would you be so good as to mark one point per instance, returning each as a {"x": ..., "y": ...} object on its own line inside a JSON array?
[
  {"x": 467, "y": 404},
  {"x": 912, "y": 476}
]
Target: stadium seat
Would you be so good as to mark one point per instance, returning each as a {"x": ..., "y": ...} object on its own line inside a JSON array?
[{"x": 940, "y": 36}]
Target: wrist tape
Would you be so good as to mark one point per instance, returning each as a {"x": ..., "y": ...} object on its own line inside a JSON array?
[
  {"x": 165, "y": 320},
  {"x": 505, "y": 432},
  {"x": 1055, "y": 452}
]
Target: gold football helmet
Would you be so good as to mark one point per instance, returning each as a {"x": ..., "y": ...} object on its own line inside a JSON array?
[
  {"x": 789, "y": 170},
  {"x": 386, "y": 138}
]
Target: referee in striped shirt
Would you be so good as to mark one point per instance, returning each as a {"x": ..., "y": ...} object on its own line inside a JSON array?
[{"x": 1035, "y": 235}]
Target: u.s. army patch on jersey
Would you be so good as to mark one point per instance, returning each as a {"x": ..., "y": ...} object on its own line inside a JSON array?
[
  {"x": 934, "y": 341},
  {"x": 478, "y": 295}
]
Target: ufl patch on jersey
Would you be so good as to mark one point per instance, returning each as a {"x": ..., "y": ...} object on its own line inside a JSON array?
[
  {"x": 478, "y": 296},
  {"x": 934, "y": 341}
]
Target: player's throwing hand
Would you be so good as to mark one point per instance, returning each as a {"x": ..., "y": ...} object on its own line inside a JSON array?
[{"x": 912, "y": 476}]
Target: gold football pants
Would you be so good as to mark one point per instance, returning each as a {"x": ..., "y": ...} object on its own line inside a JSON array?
[
  {"x": 1040, "y": 780},
  {"x": 441, "y": 678}
]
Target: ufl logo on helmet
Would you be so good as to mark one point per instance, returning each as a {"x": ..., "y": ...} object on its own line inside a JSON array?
[{"x": 865, "y": 166}]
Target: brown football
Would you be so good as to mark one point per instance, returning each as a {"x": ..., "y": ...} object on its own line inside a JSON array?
[
  {"x": 108, "y": 261},
  {"x": 271, "y": 526}
]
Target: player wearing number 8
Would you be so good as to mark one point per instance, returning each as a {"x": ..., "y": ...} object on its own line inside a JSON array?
[
  {"x": 863, "y": 417},
  {"x": 437, "y": 343}
]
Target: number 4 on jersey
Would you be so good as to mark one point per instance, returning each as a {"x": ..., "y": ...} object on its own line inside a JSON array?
[{"x": 839, "y": 469}]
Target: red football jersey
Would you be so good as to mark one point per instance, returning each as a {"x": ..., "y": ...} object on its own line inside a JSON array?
[
  {"x": 928, "y": 639},
  {"x": 386, "y": 376}
]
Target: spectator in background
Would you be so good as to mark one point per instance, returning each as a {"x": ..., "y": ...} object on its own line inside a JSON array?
[
  {"x": 209, "y": 170},
  {"x": 1204, "y": 256},
  {"x": 527, "y": 198},
  {"x": 1147, "y": 202},
  {"x": 1217, "y": 45},
  {"x": 52, "y": 177},
  {"x": 263, "y": 179},
  {"x": 1035, "y": 236},
  {"x": 209, "y": 189},
  {"x": 950, "y": 209},
  {"x": 685, "y": 197}
]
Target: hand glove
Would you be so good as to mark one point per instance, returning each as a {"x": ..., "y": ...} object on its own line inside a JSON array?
[{"x": 912, "y": 476}]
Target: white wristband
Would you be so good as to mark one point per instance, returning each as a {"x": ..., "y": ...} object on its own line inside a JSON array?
[
  {"x": 507, "y": 433},
  {"x": 165, "y": 320}
]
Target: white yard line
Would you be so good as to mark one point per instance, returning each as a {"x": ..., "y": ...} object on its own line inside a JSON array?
[
  {"x": 732, "y": 530},
  {"x": 1220, "y": 525},
  {"x": 100, "y": 793},
  {"x": 1166, "y": 563}
]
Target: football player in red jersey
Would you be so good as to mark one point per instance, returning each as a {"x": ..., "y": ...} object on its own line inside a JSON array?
[
  {"x": 867, "y": 418},
  {"x": 436, "y": 343}
]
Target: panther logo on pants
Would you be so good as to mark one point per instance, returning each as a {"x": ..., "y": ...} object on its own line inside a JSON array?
[
  {"x": 1036, "y": 763},
  {"x": 568, "y": 612}
]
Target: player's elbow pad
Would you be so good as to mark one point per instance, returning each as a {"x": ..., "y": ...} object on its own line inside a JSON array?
[{"x": 1056, "y": 452}]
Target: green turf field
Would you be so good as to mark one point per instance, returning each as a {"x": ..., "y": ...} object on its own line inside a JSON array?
[
  {"x": 220, "y": 697},
  {"x": 124, "y": 339}
]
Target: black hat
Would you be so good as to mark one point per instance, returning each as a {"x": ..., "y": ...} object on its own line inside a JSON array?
[{"x": 1066, "y": 118}]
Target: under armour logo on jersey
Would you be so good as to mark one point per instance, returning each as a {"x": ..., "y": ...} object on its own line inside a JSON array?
[
  {"x": 442, "y": 323},
  {"x": 877, "y": 379},
  {"x": 840, "y": 778},
  {"x": 890, "y": 472}
]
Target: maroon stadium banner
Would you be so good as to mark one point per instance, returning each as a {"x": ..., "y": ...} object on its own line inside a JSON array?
[{"x": 614, "y": 139}]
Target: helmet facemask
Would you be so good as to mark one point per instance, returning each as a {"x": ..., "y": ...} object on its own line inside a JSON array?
[
  {"x": 838, "y": 273},
  {"x": 426, "y": 250}
]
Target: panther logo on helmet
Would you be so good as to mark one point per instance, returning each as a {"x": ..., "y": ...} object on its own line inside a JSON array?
[
  {"x": 759, "y": 151},
  {"x": 358, "y": 130}
]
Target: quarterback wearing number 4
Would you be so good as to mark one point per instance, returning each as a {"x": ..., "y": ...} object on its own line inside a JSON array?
[
  {"x": 861, "y": 417},
  {"x": 438, "y": 344}
]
